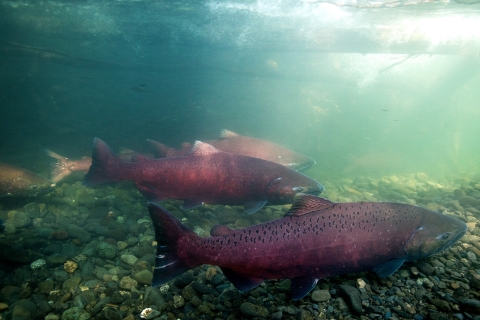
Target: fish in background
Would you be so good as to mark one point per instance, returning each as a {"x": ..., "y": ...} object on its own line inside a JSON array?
[
  {"x": 204, "y": 175},
  {"x": 316, "y": 239},
  {"x": 18, "y": 182},
  {"x": 65, "y": 166},
  {"x": 234, "y": 143}
]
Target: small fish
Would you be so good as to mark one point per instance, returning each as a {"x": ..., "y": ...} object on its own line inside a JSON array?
[
  {"x": 18, "y": 182},
  {"x": 205, "y": 175},
  {"x": 65, "y": 166},
  {"x": 316, "y": 239},
  {"x": 231, "y": 142}
]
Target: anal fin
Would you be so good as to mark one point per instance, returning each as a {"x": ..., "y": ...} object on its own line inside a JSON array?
[
  {"x": 388, "y": 268},
  {"x": 301, "y": 286},
  {"x": 241, "y": 282}
]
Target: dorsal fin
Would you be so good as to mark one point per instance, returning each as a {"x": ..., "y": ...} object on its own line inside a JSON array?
[
  {"x": 219, "y": 230},
  {"x": 202, "y": 149},
  {"x": 306, "y": 203},
  {"x": 225, "y": 134}
]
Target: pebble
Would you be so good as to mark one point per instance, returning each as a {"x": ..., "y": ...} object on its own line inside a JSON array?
[
  {"x": 252, "y": 310},
  {"x": 128, "y": 259},
  {"x": 128, "y": 283},
  {"x": 144, "y": 277},
  {"x": 320, "y": 295}
]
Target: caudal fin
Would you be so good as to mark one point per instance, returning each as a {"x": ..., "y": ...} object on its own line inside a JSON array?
[
  {"x": 104, "y": 164},
  {"x": 168, "y": 231},
  {"x": 60, "y": 169},
  {"x": 160, "y": 150}
]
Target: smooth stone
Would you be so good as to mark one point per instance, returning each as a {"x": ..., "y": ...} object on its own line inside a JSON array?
[
  {"x": 56, "y": 259},
  {"x": 79, "y": 233},
  {"x": 253, "y": 310},
  {"x": 71, "y": 283},
  {"x": 46, "y": 286},
  {"x": 153, "y": 296},
  {"x": 129, "y": 259},
  {"x": 69, "y": 249},
  {"x": 183, "y": 280},
  {"x": 468, "y": 200},
  {"x": 24, "y": 308},
  {"x": 353, "y": 296},
  {"x": 144, "y": 277},
  {"x": 321, "y": 295}
]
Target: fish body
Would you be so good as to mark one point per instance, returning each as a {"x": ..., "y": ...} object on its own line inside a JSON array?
[
  {"x": 205, "y": 175},
  {"x": 18, "y": 182},
  {"x": 65, "y": 166},
  {"x": 316, "y": 239},
  {"x": 234, "y": 143}
]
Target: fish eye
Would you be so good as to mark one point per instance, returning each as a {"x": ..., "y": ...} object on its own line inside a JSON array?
[
  {"x": 298, "y": 189},
  {"x": 444, "y": 236}
]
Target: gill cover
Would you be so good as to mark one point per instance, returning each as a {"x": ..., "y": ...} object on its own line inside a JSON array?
[{"x": 437, "y": 232}]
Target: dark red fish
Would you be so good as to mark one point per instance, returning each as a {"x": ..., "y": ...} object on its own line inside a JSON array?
[
  {"x": 18, "y": 182},
  {"x": 234, "y": 143},
  {"x": 65, "y": 166},
  {"x": 316, "y": 239},
  {"x": 205, "y": 175}
]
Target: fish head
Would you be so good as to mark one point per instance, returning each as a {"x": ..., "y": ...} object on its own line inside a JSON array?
[
  {"x": 31, "y": 187},
  {"x": 283, "y": 190},
  {"x": 435, "y": 233}
]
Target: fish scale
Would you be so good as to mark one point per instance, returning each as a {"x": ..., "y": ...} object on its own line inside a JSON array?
[{"x": 316, "y": 239}]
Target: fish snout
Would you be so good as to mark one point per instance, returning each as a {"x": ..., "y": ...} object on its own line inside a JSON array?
[{"x": 312, "y": 190}]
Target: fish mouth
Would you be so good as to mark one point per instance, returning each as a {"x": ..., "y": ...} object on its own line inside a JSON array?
[{"x": 315, "y": 191}]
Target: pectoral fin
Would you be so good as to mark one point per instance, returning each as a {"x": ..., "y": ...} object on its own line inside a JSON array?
[
  {"x": 301, "y": 286},
  {"x": 150, "y": 193},
  {"x": 253, "y": 206},
  {"x": 191, "y": 203},
  {"x": 241, "y": 282},
  {"x": 388, "y": 268}
]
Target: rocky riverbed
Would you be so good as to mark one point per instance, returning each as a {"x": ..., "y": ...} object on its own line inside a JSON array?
[{"x": 81, "y": 253}]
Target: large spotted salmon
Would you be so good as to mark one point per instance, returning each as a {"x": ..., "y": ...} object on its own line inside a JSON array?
[{"x": 316, "y": 239}]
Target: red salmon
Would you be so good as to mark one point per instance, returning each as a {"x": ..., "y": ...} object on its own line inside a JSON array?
[
  {"x": 205, "y": 175},
  {"x": 316, "y": 239},
  {"x": 234, "y": 143}
]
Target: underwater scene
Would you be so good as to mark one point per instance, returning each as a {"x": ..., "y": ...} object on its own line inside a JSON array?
[{"x": 239, "y": 159}]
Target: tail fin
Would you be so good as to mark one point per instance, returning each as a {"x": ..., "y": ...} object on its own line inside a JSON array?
[
  {"x": 104, "y": 161},
  {"x": 160, "y": 150},
  {"x": 168, "y": 231},
  {"x": 60, "y": 168}
]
